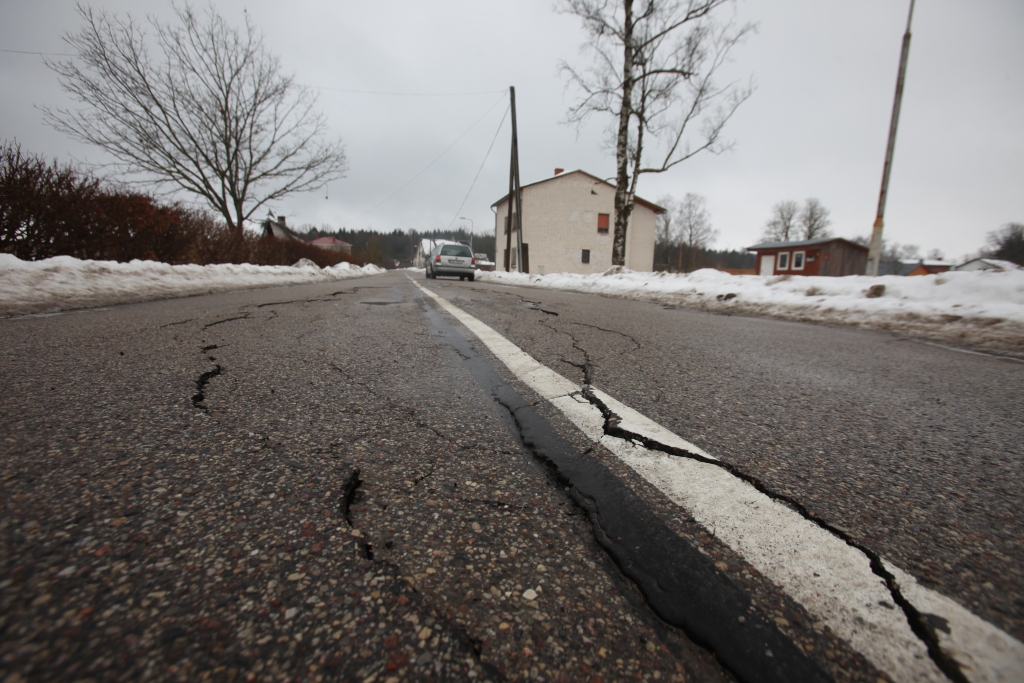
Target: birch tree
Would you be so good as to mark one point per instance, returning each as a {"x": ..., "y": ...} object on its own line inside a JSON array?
[
  {"x": 654, "y": 73},
  {"x": 196, "y": 105}
]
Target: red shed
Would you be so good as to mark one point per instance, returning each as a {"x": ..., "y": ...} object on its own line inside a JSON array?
[{"x": 831, "y": 256}]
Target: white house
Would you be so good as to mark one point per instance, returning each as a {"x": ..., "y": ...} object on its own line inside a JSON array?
[
  {"x": 568, "y": 224},
  {"x": 423, "y": 249}
]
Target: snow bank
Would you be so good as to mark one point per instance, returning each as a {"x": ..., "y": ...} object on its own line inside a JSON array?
[
  {"x": 984, "y": 309},
  {"x": 64, "y": 283}
]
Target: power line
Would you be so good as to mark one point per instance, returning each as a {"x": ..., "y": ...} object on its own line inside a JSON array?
[
  {"x": 438, "y": 158},
  {"x": 473, "y": 184},
  {"x": 41, "y": 54}
]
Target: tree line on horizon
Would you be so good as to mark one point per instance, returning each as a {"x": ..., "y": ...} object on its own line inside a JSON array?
[
  {"x": 684, "y": 235},
  {"x": 397, "y": 245}
]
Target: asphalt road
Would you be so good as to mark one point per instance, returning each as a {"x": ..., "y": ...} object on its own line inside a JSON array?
[{"x": 340, "y": 482}]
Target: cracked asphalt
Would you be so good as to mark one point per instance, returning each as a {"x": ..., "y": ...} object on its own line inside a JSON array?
[
  {"x": 912, "y": 450},
  {"x": 308, "y": 483}
]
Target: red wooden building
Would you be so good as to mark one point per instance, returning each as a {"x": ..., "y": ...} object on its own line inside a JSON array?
[{"x": 830, "y": 256}]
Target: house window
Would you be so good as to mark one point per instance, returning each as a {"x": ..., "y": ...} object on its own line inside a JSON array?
[
  {"x": 514, "y": 251},
  {"x": 586, "y": 256},
  {"x": 783, "y": 261},
  {"x": 602, "y": 223},
  {"x": 798, "y": 260}
]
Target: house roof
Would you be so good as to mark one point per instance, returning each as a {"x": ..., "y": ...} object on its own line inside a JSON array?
[
  {"x": 995, "y": 263},
  {"x": 908, "y": 266},
  {"x": 804, "y": 243},
  {"x": 280, "y": 225},
  {"x": 330, "y": 240},
  {"x": 639, "y": 200}
]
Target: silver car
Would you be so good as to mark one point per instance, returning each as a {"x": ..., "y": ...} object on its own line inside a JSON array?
[{"x": 451, "y": 259}]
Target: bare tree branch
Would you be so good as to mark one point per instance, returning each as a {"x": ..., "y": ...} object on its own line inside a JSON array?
[
  {"x": 212, "y": 114},
  {"x": 653, "y": 68},
  {"x": 814, "y": 220}
]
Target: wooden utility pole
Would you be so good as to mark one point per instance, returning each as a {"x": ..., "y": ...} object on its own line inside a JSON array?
[
  {"x": 509, "y": 224},
  {"x": 875, "y": 250},
  {"x": 515, "y": 199}
]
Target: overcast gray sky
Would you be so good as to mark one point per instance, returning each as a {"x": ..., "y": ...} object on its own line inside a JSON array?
[{"x": 825, "y": 71}]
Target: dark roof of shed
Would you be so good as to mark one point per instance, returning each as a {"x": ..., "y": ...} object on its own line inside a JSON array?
[
  {"x": 636, "y": 198},
  {"x": 805, "y": 243}
]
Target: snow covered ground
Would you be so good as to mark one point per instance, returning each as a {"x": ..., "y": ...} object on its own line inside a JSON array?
[
  {"x": 64, "y": 283},
  {"x": 980, "y": 309}
]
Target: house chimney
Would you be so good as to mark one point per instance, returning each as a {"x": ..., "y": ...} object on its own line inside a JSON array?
[
  {"x": 558, "y": 170},
  {"x": 281, "y": 222}
]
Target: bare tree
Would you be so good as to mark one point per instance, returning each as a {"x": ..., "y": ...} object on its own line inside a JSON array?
[
  {"x": 781, "y": 227},
  {"x": 209, "y": 113},
  {"x": 654, "y": 72},
  {"x": 693, "y": 228},
  {"x": 900, "y": 252},
  {"x": 1008, "y": 243},
  {"x": 814, "y": 220},
  {"x": 663, "y": 227}
]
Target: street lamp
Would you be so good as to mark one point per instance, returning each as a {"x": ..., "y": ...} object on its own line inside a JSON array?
[{"x": 463, "y": 218}]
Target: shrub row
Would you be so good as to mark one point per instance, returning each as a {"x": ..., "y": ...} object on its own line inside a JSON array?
[{"x": 52, "y": 209}]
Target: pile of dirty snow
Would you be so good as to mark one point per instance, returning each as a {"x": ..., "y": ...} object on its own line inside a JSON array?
[
  {"x": 984, "y": 309},
  {"x": 63, "y": 283}
]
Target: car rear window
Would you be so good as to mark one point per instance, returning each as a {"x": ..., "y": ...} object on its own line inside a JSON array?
[{"x": 456, "y": 250}]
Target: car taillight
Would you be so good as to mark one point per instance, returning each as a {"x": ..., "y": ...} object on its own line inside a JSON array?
[
  {"x": 437, "y": 259},
  {"x": 472, "y": 261}
]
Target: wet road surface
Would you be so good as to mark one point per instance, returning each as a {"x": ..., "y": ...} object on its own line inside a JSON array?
[{"x": 341, "y": 482}]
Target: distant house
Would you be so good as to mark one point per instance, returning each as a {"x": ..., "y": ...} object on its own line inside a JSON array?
[
  {"x": 829, "y": 256},
  {"x": 278, "y": 228},
  {"x": 989, "y": 264},
  {"x": 921, "y": 267},
  {"x": 332, "y": 243},
  {"x": 568, "y": 225}
]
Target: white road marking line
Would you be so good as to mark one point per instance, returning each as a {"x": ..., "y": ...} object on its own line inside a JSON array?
[
  {"x": 984, "y": 652},
  {"x": 830, "y": 579}
]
